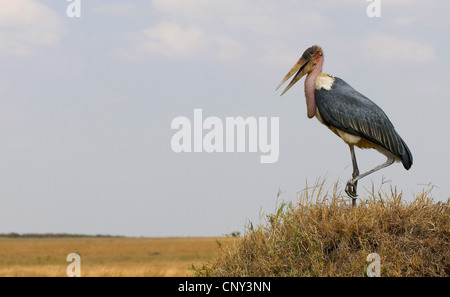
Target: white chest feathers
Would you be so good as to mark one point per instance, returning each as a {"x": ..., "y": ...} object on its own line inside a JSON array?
[{"x": 324, "y": 81}]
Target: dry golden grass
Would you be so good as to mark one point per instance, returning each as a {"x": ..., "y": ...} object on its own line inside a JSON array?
[
  {"x": 322, "y": 235},
  {"x": 105, "y": 256}
]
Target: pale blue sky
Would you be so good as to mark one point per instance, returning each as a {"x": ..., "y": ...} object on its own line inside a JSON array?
[{"x": 86, "y": 106}]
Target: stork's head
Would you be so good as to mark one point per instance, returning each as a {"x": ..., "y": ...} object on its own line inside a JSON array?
[{"x": 305, "y": 65}]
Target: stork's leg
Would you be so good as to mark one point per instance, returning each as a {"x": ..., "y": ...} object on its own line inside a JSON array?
[
  {"x": 388, "y": 162},
  {"x": 350, "y": 189},
  {"x": 351, "y": 184}
]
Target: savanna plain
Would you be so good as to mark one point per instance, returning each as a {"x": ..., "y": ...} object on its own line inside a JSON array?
[{"x": 106, "y": 256}]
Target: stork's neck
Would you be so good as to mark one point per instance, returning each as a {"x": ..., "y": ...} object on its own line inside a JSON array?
[{"x": 310, "y": 86}]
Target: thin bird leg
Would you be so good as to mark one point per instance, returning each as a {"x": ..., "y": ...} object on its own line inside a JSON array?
[
  {"x": 351, "y": 184},
  {"x": 355, "y": 165},
  {"x": 351, "y": 187},
  {"x": 388, "y": 162}
]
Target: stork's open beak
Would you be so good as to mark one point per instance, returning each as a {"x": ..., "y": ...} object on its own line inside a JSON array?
[{"x": 300, "y": 68}]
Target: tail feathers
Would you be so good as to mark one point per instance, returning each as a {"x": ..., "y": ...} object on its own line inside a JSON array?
[{"x": 407, "y": 158}]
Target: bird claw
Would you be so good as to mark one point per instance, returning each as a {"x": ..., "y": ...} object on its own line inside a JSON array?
[{"x": 350, "y": 189}]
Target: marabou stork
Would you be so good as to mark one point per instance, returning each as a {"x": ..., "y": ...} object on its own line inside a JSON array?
[{"x": 349, "y": 114}]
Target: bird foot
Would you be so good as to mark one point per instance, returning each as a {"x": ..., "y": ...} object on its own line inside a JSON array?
[{"x": 350, "y": 189}]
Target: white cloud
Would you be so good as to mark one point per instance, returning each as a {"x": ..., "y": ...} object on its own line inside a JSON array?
[
  {"x": 175, "y": 41},
  {"x": 225, "y": 30},
  {"x": 229, "y": 48},
  {"x": 27, "y": 26},
  {"x": 166, "y": 39},
  {"x": 392, "y": 49}
]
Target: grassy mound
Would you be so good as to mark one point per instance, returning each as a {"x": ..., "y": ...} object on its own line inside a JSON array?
[{"x": 322, "y": 235}]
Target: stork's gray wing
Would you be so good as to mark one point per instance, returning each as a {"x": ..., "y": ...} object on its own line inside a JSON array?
[{"x": 348, "y": 110}]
